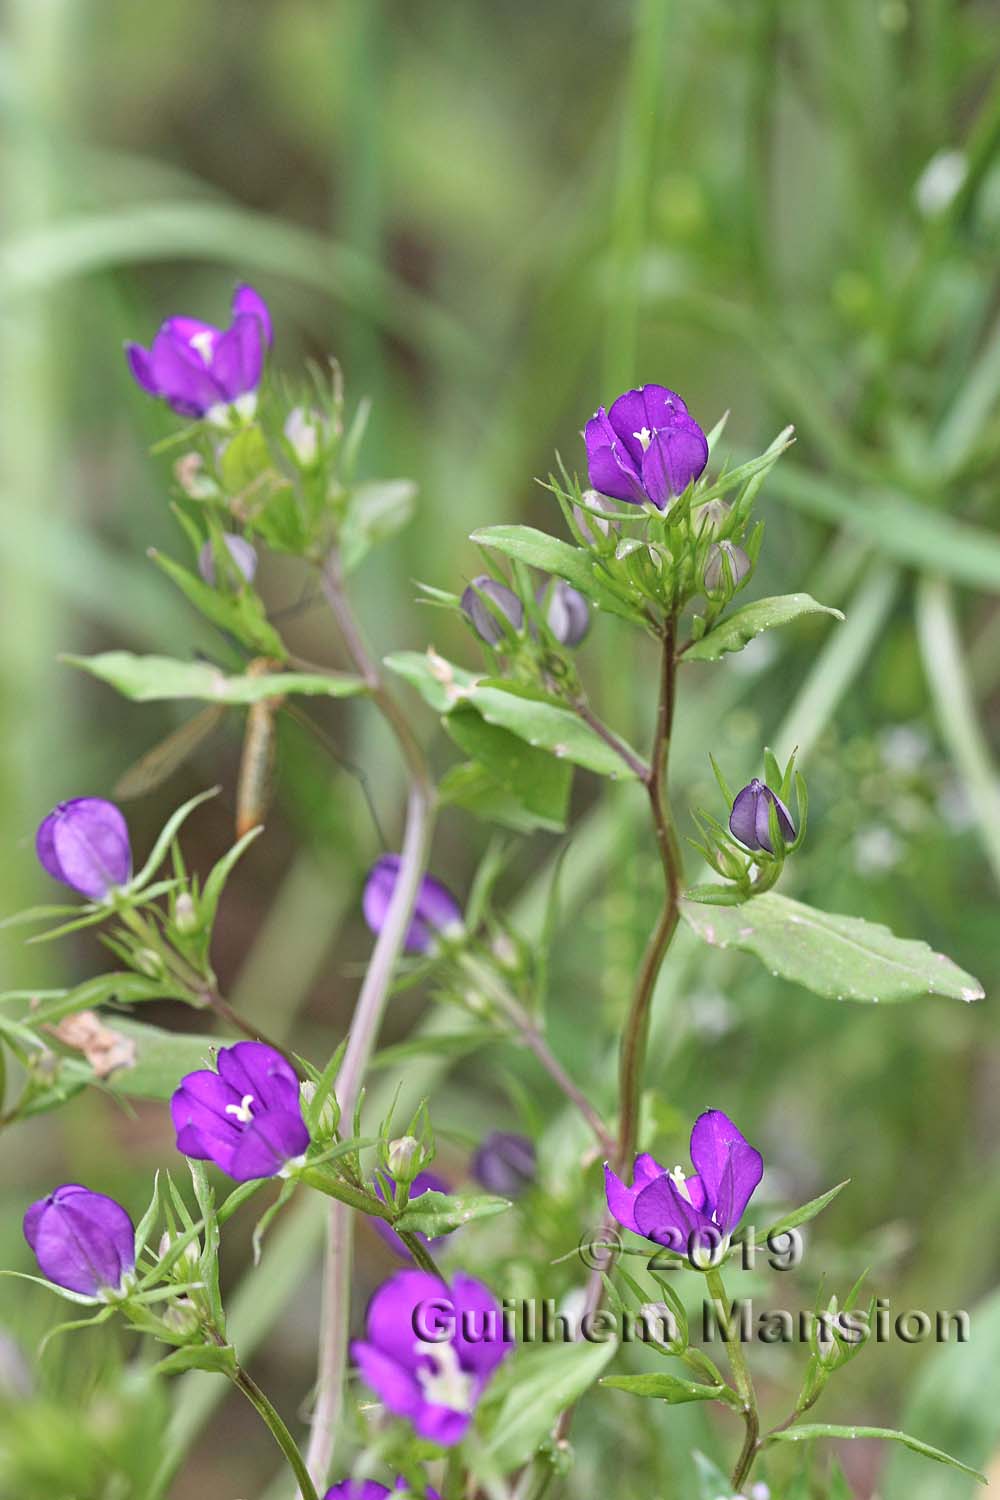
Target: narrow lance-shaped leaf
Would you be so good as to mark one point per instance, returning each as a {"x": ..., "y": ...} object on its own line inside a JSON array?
[
  {"x": 810, "y": 1430},
  {"x": 151, "y": 679},
  {"x": 739, "y": 628},
  {"x": 670, "y": 1388},
  {"x": 842, "y": 957}
]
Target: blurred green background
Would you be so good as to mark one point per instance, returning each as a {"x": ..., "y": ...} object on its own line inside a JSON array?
[{"x": 498, "y": 217}]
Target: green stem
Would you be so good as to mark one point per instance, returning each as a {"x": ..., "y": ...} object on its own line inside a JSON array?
[
  {"x": 252, "y": 1391},
  {"x": 741, "y": 1378}
]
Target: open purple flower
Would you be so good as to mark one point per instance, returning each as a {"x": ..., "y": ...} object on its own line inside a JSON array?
[
  {"x": 483, "y": 613},
  {"x": 750, "y": 819},
  {"x": 683, "y": 1212},
  {"x": 241, "y": 551},
  {"x": 431, "y": 1350},
  {"x": 645, "y": 448},
  {"x": 196, "y": 367},
  {"x": 246, "y": 1117},
  {"x": 435, "y": 911},
  {"x": 82, "y": 1241},
  {"x": 505, "y": 1163},
  {"x": 369, "y": 1489},
  {"x": 84, "y": 843},
  {"x": 424, "y": 1182}
]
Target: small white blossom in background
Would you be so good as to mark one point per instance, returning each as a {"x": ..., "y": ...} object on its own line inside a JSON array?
[
  {"x": 876, "y": 850},
  {"x": 904, "y": 747}
]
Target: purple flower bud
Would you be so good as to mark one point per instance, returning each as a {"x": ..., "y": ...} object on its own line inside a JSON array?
[
  {"x": 723, "y": 556},
  {"x": 424, "y": 1182},
  {"x": 682, "y": 1212},
  {"x": 435, "y": 911},
  {"x": 82, "y": 1241},
  {"x": 645, "y": 448},
  {"x": 588, "y": 523},
  {"x": 247, "y": 1117},
  {"x": 505, "y": 1164},
  {"x": 567, "y": 613},
  {"x": 194, "y": 366},
  {"x": 431, "y": 1349},
  {"x": 84, "y": 844},
  {"x": 244, "y": 558},
  {"x": 481, "y": 617},
  {"x": 750, "y": 819}
]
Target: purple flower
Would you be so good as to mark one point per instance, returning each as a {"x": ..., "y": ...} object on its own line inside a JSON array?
[
  {"x": 424, "y": 1182},
  {"x": 246, "y": 1117},
  {"x": 646, "y": 448},
  {"x": 244, "y": 558},
  {"x": 679, "y": 1212},
  {"x": 84, "y": 843},
  {"x": 431, "y": 1350},
  {"x": 505, "y": 1164},
  {"x": 82, "y": 1241},
  {"x": 369, "y": 1489},
  {"x": 750, "y": 820},
  {"x": 567, "y": 613},
  {"x": 481, "y": 617},
  {"x": 435, "y": 911},
  {"x": 194, "y": 366}
]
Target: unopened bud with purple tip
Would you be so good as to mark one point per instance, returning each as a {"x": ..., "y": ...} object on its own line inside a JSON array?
[
  {"x": 505, "y": 1163},
  {"x": 82, "y": 1241},
  {"x": 567, "y": 613},
  {"x": 84, "y": 844},
  {"x": 750, "y": 819},
  {"x": 726, "y": 568},
  {"x": 435, "y": 911},
  {"x": 244, "y": 558},
  {"x": 484, "y": 602}
]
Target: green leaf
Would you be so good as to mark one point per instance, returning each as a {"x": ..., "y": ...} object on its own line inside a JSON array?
[
  {"x": 125, "y": 988},
  {"x": 161, "y": 1059},
  {"x": 736, "y": 630},
  {"x": 470, "y": 786},
  {"x": 439, "y": 1213},
  {"x": 844, "y": 958},
  {"x": 219, "y": 874},
  {"x": 240, "y": 614},
  {"x": 547, "y": 725},
  {"x": 220, "y": 1359},
  {"x": 804, "y": 1214},
  {"x": 376, "y": 512},
  {"x": 449, "y": 1045},
  {"x": 244, "y": 458},
  {"x": 809, "y": 1430},
  {"x": 165, "y": 838},
  {"x": 151, "y": 679},
  {"x": 536, "y": 780},
  {"x": 438, "y": 681},
  {"x": 539, "y": 1383},
  {"x": 671, "y": 1388},
  {"x": 577, "y": 565}
]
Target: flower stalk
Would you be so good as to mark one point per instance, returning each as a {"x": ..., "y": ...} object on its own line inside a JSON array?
[
  {"x": 249, "y": 1388},
  {"x": 741, "y": 1378}
]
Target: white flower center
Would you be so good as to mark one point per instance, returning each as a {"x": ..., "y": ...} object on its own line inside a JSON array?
[
  {"x": 242, "y": 1111},
  {"x": 644, "y": 436},
  {"x": 447, "y": 1384},
  {"x": 679, "y": 1183},
  {"x": 202, "y": 343}
]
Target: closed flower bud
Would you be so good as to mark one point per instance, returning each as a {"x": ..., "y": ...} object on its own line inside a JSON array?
[
  {"x": 85, "y": 845},
  {"x": 712, "y": 515},
  {"x": 727, "y": 566},
  {"x": 403, "y": 1158},
  {"x": 750, "y": 819},
  {"x": 148, "y": 962},
  {"x": 182, "y": 1318},
  {"x": 505, "y": 1163},
  {"x": 185, "y": 913},
  {"x": 82, "y": 1241},
  {"x": 244, "y": 558},
  {"x": 567, "y": 613},
  {"x": 194, "y": 479},
  {"x": 588, "y": 523},
  {"x": 303, "y": 431},
  {"x": 483, "y": 616}
]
